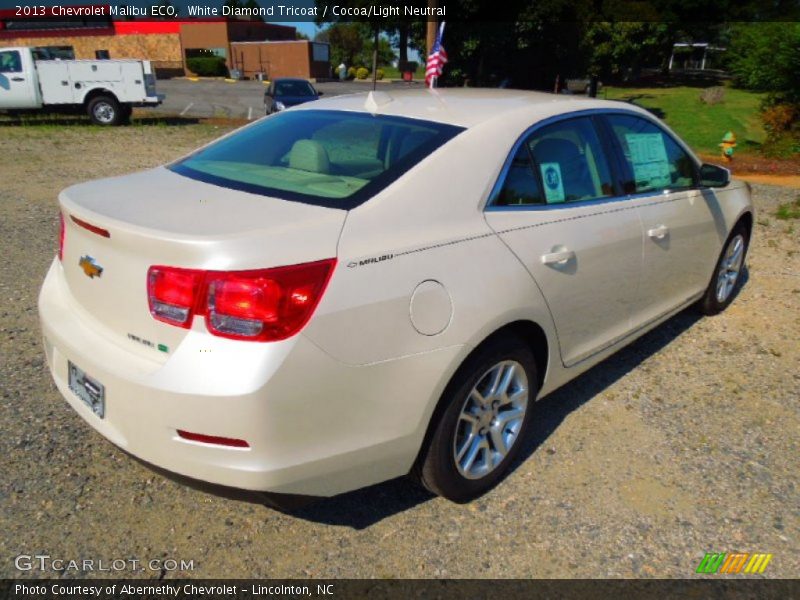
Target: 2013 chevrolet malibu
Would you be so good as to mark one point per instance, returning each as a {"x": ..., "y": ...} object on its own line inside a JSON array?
[{"x": 375, "y": 285}]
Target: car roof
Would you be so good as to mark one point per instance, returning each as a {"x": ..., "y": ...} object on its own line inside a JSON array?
[
  {"x": 282, "y": 79},
  {"x": 463, "y": 107}
]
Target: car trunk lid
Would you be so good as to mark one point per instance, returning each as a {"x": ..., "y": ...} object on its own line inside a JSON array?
[{"x": 116, "y": 229}]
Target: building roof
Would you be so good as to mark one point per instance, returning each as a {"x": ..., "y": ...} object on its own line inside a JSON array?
[{"x": 463, "y": 107}]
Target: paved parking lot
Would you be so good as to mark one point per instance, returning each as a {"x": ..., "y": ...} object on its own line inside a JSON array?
[{"x": 239, "y": 100}]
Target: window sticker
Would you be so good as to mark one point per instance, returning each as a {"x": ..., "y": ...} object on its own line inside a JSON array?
[
  {"x": 649, "y": 160},
  {"x": 553, "y": 184}
]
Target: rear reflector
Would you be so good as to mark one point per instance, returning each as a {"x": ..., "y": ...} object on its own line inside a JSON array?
[
  {"x": 213, "y": 439},
  {"x": 261, "y": 305},
  {"x": 90, "y": 227}
]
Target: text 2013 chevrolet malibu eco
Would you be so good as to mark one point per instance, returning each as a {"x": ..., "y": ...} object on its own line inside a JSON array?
[{"x": 374, "y": 285}]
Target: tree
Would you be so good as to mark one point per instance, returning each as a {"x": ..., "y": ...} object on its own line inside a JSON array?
[
  {"x": 620, "y": 50},
  {"x": 348, "y": 42},
  {"x": 386, "y": 53},
  {"x": 353, "y": 44},
  {"x": 765, "y": 57}
]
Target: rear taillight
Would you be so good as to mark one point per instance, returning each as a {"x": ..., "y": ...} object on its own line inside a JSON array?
[
  {"x": 172, "y": 294},
  {"x": 60, "y": 236},
  {"x": 261, "y": 305}
]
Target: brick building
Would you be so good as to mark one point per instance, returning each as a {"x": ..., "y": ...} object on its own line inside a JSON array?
[
  {"x": 167, "y": 43},
  {"x": 289, "y": 58}
]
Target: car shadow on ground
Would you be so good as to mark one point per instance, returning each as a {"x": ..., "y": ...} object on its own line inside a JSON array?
[{"x": 363, "y": 508}]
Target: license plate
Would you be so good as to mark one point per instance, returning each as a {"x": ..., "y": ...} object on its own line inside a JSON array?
[{"x": 89, "y": 390}]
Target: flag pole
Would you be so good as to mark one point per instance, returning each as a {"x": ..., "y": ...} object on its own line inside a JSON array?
[{"x": 435, "y": 80}]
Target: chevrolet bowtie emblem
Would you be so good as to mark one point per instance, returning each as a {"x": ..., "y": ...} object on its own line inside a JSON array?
[{"x": 90, "y": 266}]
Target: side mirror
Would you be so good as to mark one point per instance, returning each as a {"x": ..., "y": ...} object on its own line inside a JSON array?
[
  {"x": 714, "y": 176},
  {"x": 319, "y": 93}
]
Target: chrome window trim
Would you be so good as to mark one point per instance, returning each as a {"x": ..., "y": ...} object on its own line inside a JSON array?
[{"x": 498, "y": 184}]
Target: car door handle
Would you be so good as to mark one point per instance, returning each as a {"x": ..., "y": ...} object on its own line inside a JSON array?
[
  {"x": 556, "y": 258},
  {"x": 658, "y": 233},
  {"x": 17, "y": 79}
]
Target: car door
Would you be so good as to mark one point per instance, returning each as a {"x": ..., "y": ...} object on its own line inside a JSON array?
[
  {"x": 559, "y": 207},
  {"x": 681, "y": 239},
  {"x": 16, "y": 85}
]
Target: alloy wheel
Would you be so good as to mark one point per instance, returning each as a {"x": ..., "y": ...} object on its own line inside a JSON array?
[
  {"x": 490, "y": 420},
  {"x": 730, "y": 267}
]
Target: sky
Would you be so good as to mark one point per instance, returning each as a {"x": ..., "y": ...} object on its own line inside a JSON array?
[{"x": 310, "y": 29}]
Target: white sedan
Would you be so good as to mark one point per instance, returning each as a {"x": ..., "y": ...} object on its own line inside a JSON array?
[{"x": 380, "y": 284}]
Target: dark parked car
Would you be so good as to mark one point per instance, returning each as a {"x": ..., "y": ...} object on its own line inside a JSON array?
[{"x": 286, "y": 92}]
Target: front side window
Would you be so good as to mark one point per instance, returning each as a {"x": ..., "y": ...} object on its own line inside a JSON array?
[
  {"x": 654, "y": 160},
  {"x": 562, "y": 162},
  {"x": 329, "y": 158},
  {"x": 10, "y": 62}
]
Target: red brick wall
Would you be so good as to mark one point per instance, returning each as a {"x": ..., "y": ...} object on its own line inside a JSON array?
[
  {"x": 163, "y": 50},
  {"x": 277, "y": 59}
]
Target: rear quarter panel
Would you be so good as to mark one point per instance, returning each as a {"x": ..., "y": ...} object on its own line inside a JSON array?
[{"x": 428, "y": 225}]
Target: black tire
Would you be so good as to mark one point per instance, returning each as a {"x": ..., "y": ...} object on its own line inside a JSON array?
[
  {"x": 711, "y": 303},
  {"x": 105, "y": 110},
  {"x": 436, "y": 467}
]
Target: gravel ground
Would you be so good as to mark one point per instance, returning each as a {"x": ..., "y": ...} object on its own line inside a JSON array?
[{"x": 686, "y": 442}]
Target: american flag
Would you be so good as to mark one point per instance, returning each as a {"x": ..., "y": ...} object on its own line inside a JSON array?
[{"x": 436, "y": 59}]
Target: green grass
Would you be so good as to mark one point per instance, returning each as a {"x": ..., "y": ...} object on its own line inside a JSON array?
[
  {"x": 700, "y": 125},
  {"x": 788, "y": 210},
  {"x": 393, "y": 73}
]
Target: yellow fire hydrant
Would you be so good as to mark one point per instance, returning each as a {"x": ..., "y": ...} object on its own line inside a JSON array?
[{"x": 727, "y": 146}]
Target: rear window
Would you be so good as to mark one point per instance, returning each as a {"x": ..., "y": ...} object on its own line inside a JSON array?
[{"x": 329, "y": 158}]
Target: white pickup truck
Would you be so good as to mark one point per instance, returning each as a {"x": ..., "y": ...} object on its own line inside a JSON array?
[{"x": 107, "y": 90}]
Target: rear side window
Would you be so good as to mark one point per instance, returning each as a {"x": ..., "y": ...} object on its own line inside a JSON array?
[
  {"x": 655, "y": 162},
  {"x": 521, "y": 185},
  {"x": 559, "y": 163},
  {"x": 10, "y": 62},
  {"x": 330, "y": 158}
]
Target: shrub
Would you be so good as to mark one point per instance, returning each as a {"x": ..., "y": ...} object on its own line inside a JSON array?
[
  {"x": 782, "y": 124},
  {"x": 207, "y": 66},
  {"x": 713, "y": 95},
  {"x": 779, "y": 118},
  {"x": 379, "y": 74},
  {"x": 351, "y": 73},
  {"x": 362, "y": 73}
]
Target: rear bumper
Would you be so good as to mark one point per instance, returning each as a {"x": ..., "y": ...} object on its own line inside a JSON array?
[
  {"x": 314, "y": 425},
  {"x": 151, "y": 100}
]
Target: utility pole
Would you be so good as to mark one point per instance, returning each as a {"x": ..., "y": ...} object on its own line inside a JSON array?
[
  {"x": 431, "y": 31},
  {"x": 375, "y": 59}
]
